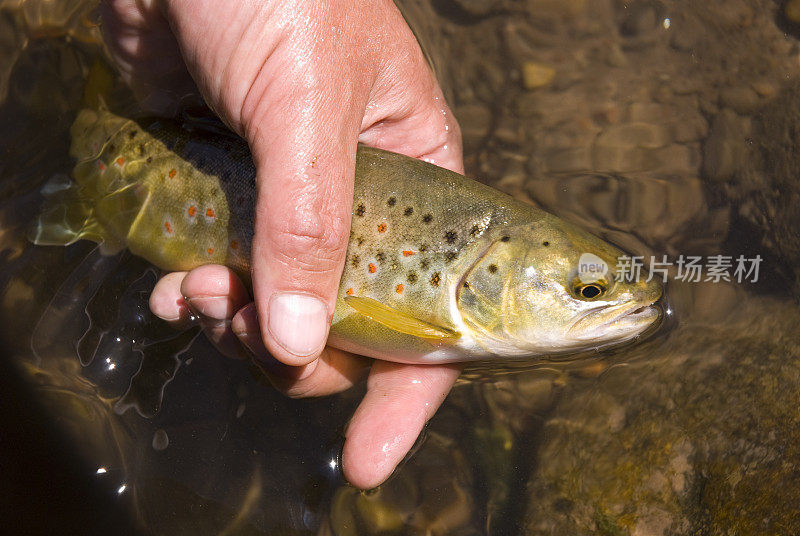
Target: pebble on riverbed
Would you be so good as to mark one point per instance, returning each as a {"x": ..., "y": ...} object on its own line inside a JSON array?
[{"x": 536, "y": 75}]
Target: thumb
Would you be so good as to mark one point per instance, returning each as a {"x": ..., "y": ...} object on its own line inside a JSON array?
[{"x": 302, "y": 223}]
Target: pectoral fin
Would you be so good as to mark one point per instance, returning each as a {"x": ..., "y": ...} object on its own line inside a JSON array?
[
  {"x": 399, "y": 321},
  {"x": 68, "y": 216}
]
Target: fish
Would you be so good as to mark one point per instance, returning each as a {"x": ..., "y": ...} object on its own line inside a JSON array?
[{"x": 439, "y": 268}]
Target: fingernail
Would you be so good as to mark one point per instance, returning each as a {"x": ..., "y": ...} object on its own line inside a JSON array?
[
  {"x": 216, "y": 307},
  {"x": 298, "y": 322}
]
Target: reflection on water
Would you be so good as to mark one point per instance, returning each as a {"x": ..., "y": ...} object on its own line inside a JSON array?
[{"x": 666, "y": 127}]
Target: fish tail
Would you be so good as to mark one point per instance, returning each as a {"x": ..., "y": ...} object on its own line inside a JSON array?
[{"x": 68, "y": 216}]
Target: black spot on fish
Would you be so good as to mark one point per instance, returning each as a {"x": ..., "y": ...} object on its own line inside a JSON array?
[
  {"x": 435, "y": 279},
  {"x": 492, "y": 268},
  {"x": 545, "y": 243},
  {"x": 505, "y": 238},
  {"x": 391, "y": 202},
  {"x": 450, "y": 256},
  {"x": 380, "y": 256},
  {"x": 423, "y": 248},
  {"x": 408, "y": 211},
  {"x": 427, "y": 218},
  {"x": 475, "y": 230},
  {"x": 132, "y": 134},
  {"x": 466, "y": 285},
  {"x": 149, "y": 159},
  {"x": 361, "y": 210},
  {"x": 411, "y": 277},
  {"x": 450, "y": 237},
  {"x": 355, "y": 260},
  {"x": 360, "y": 241},
  {"x": 424, "y": 264},
  {"x": 112, "y": 148}
]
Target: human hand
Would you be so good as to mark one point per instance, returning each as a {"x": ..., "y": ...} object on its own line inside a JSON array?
[{"x": 302, "y": 81}]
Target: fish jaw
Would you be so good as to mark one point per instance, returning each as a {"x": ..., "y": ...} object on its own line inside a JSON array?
[{"x": 611, "y": 324}]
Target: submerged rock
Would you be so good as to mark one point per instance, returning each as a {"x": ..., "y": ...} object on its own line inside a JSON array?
[
  {"x": 703, "y": 437},
  {"x": 767, "y": 190}
]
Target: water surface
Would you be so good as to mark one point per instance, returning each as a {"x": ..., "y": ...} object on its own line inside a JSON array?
[{"x": 667, "y": 127}]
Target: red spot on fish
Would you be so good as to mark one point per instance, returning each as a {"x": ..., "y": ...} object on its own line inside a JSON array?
[
  {"x": 210, "y": 213},
  {"x": 350, "y": 291},
  {"x": 234, "y": 245},
  {"x": 101, "y": 165},
  {"x": 210, "y": 251},
  {"x": 192, "y": 210},
  {"x": 399, "y": 288},
  {"x": 120, "y": 161},
  {"x": 407, "y": 253},
  {"x": 172, "y": 173},
  {"x": 381, "y": 227},
  {"x": 372, "y": 268},
  {"x": 168, "y": 227}
]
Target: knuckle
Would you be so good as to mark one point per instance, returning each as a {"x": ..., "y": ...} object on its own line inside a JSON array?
[{"x": 311, "y": 246}]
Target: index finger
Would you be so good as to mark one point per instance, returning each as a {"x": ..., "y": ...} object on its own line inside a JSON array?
[{"x": 399, "y": 401}]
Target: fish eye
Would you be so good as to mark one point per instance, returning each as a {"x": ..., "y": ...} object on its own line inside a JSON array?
[{"x": 590, "y": 291}]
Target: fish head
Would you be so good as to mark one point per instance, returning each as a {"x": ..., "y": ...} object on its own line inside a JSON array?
[{"x": 550, "y": 287}]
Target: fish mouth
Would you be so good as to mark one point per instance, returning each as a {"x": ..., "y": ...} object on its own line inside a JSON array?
[{"x": 616, "y": 322}]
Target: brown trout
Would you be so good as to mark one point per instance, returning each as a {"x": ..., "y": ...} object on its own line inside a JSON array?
[{"x": 439, "y": 268}]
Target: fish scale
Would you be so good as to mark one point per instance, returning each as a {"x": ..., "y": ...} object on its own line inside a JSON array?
[{"x": 439, "y": 267}]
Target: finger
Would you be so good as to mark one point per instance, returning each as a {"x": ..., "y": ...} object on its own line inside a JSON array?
[
  {"x": 408, "y": 113},
  {"x": 145, "y": 50},
  {"x": 214, "y": 294},
  {"x": 427, "y": 130},
  {"x": 167, "y": 303},
  {"x": 333, "y": 372},
  {"x": 399, "y": 401},
  {"x": 303, "y": 207}
]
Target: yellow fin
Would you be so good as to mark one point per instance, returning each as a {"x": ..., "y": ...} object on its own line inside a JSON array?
[
  {"x": 67, "y": 217},
  {"x": 99, "y": 83},
  {"x": 398, "y": 321}
]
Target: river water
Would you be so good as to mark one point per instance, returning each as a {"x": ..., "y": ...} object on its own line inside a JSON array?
[{"x": 667, "y": 127}]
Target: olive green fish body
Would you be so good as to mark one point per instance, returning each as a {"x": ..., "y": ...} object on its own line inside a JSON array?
[
  {"x": 439, "y": 267},
  {"x": 178, "y": 212}
]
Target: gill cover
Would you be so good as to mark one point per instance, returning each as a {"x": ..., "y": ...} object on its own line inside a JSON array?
[{"x": 487, "y": 297}]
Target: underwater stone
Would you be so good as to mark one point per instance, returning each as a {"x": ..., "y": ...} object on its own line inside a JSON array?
[
  {"x": 536, "y": 75},
  {"x": 724, "y": 150},
  {"x": 627, "y": 147}
]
